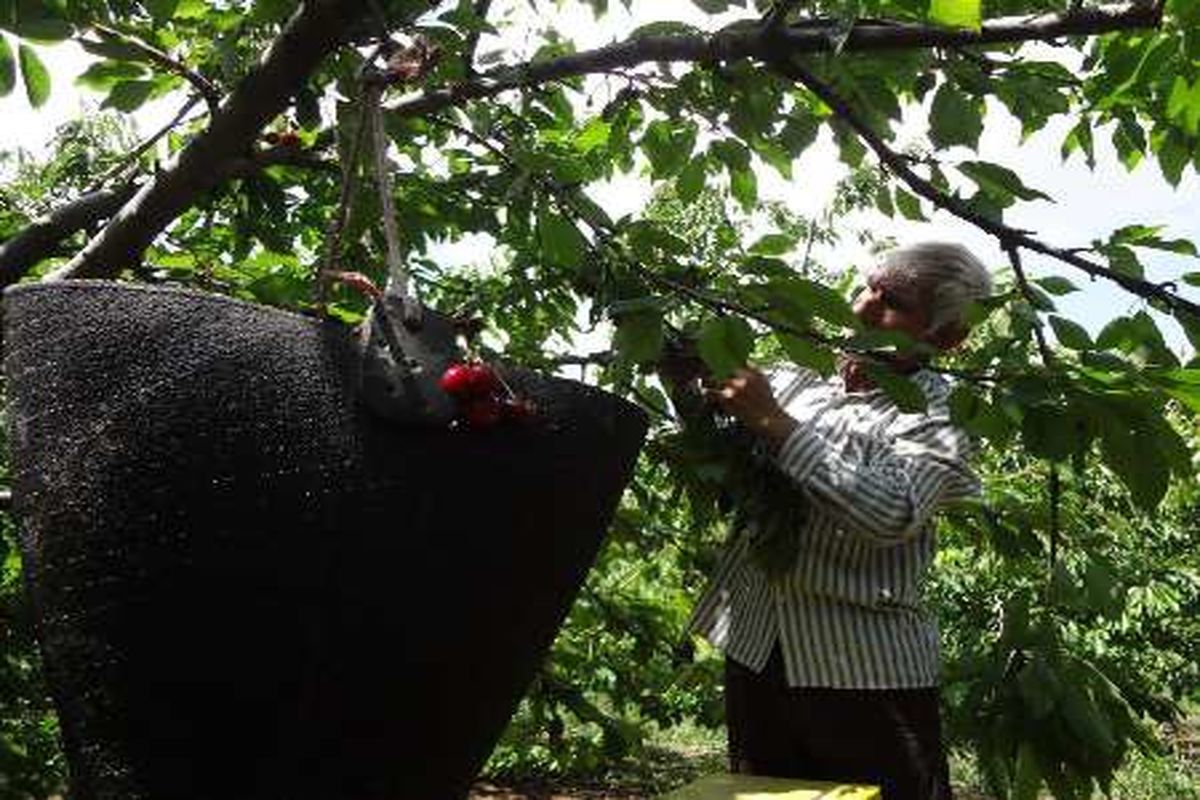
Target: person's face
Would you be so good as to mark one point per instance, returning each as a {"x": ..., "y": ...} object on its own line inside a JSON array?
[{"x": 891, "y": 303}]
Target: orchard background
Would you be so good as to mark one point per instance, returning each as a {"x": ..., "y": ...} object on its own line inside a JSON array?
[{"x": 1069, "y": 595}]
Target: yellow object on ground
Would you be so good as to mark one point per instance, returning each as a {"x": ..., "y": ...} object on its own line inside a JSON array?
[{"x": 755, "y": 787}]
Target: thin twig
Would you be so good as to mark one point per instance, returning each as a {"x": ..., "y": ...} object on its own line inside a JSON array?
[
  {"x": 1008, "y": 236},
  {"x": 137, "y": 152},
  {"x": 564, "y": 197},
  {"x": 1048, "y": 360},
  {"x": 1014, "y": 258},
  {"x": 207, "y": 89}
]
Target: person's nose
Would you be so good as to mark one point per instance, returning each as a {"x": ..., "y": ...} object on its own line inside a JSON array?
[{"x": 867, "y": 305}]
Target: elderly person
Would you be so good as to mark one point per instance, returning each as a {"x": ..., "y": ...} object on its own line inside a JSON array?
[{"x": 832, "y": 672}]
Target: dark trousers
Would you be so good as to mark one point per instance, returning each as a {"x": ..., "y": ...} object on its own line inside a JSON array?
[{"x": 886, "y": 737}]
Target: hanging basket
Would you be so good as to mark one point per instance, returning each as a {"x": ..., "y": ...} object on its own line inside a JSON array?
[{"x": 249, "y": 586}]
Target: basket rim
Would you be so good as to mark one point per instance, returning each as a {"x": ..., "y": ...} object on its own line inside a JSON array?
[
  {"x": 84, "y": 284},
  {"x": 12, "y": 292}
]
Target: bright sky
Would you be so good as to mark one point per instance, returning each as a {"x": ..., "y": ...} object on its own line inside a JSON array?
[{"x": 1089, "y": 205}]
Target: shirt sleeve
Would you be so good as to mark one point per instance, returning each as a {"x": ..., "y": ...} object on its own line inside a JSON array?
[{"x": 882, "y": 489}]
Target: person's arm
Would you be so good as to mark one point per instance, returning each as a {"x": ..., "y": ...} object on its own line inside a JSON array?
[{"x": 888, "y": 491}]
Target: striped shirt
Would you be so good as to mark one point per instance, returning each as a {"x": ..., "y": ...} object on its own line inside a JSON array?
[{"x": 848, "y": 614}]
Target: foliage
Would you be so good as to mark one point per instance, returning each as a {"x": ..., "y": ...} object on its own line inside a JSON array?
[{"x": 1086, "y": 596}]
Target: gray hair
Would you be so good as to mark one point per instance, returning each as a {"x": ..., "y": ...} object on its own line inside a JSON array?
[{"x": 950, "y": 273}]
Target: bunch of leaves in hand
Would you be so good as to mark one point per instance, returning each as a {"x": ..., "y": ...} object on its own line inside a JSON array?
[{"x": 725, "y": 466}]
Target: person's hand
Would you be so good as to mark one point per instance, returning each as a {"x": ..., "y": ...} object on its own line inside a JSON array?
[
  {"x": 680, "y": 366},
  {"x": 747, "y": 397}
]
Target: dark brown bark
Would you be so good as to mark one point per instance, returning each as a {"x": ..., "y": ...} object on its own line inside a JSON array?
[
  {"x": 764, "y": 44},
  {"x": 316, "y": 30}
]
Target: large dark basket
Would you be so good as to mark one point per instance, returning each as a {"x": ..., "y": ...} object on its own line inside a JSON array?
[{"x": 246, "y": 585}]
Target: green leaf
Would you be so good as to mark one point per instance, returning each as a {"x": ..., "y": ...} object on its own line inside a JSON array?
[
  {"x": 1148, "y": 236},
  {"x": 690, "y": 182},
  {"x": 744, "y": 185},
  {"x": 594, "y": 134},
  {"x": 774, "y": 244},
  {"x": 1056, "y": 285},
  {"x": 639, "y": 337},
  {"x": 1130, "y": 141},
  {"x": 665, "y": 28},
  {"x": 1001, "y": 183},
  {"x": 1080, "y": 138},
  {"x": 1070, "y": 334},
  {"x": 161, "y": 11},
  {"x": 906, "y": 394},
  {"x": 1086, "y": 721},
  {"x": 909, "y": 206},
  {"x": 799, "y": 132},
  {"x": 1123, "y": 260},
  {"x": 128, "y": 96},
  {"x": 725, "y": 344},
  {"x": 8, "y": 67},
  {"x": 806, "y": 298},
  {"x": 561, "y": 242},
  {"x": 40, "y": 22},
  {"x": 956, "y": 13},
  {"x": 1183, "y": 105},
  {"x": 1039, "y": 688},
  {"x": 1049, "y": 432},
  {"x": 1124, "y": 451},
  {"x": 1138, "y": 336},
  {"x": 713, "y": 6},
  {"x": 1191, "y": 327},
  {"x": 35, "y": 75},
  {"x": 955, "y": 118},
  {"x": 103, "y": 75},
  {"x": 806, "y": 353},
  {"x": 668, "y": 147}
]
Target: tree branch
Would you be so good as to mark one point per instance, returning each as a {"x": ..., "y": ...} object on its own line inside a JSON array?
[
  {"x": 566, "y": 198},
  {"x": 766, "y": 44},
  {"x": 1007, "y": 235},
  {"x": 20, "y": 253},
  {"x": 37, "y": 241},
  {"x": 316, "y": 30},
  {"x": 207, "y": 89},
  {"x": 132, "y": 157}
]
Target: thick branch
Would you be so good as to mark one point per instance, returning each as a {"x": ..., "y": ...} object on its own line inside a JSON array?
[
  {"x": 315, "y": 31},
  {"x": 1008, "y": 237},
  {"x": 38, "y": 241},
  {"x": 19, "y": 254},
  {"x": 764, "y": 44}
]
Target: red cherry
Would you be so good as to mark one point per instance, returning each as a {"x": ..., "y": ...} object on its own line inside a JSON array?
[
  {"x": 289, "y": 139},
  {"x": 482, "y": 412},
  {"x": 483, "y": 380},
  {"x": 456, "y": 380},
  {"x": 271, "y": 138}
]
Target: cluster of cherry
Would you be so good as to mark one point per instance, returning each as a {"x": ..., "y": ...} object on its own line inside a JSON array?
[{"x": 484, "y": 399}]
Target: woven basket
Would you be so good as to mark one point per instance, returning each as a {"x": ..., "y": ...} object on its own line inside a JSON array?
[{"x": 247, "y": 585}]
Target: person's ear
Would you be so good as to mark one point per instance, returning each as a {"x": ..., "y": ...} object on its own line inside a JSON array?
[{"x": 948, "y": 336}]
